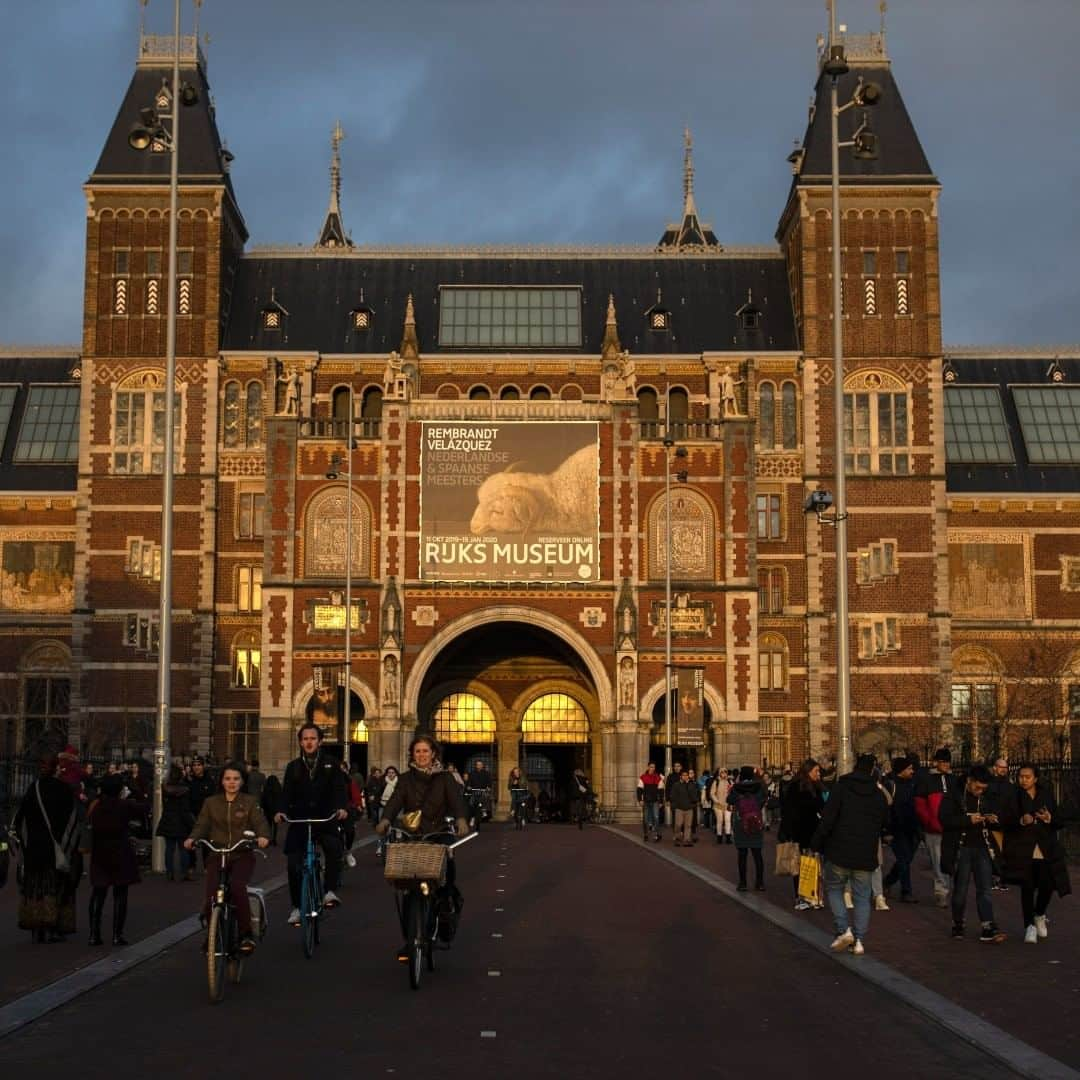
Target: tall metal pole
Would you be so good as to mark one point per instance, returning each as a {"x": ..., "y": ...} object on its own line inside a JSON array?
[
  {"x": 668, "y": 442},
  {"x": 843, "y": 673},
  {"x": 164, "y": 684},
  {"x": 348, "y": 585}
]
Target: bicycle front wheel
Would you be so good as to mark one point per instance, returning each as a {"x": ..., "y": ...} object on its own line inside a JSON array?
[
  {"x": 217, "y": 954},
  {"x": 417, "y": 926},
  {"x": 309, "y": 914}
]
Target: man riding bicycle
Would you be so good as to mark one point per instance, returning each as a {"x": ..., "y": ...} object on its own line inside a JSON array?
[
  {"x": 435, "y": 795},
  {"x": 478, "y": 792},
  {"x": 314, "y": 787},
  {"x": 223, "y": 820}
]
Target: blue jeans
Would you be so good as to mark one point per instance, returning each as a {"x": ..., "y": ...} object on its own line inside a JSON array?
[
  {"x": 973, "y": 861},
  {"x": 836, "y": 879},
  {"x": 903, "y": 847},
  {"x": 653, "y": 811},
  {"x": 174, "y": 844}
]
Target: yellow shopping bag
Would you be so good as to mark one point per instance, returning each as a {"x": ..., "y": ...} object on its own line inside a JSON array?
[{"x": 809, "y": 872}]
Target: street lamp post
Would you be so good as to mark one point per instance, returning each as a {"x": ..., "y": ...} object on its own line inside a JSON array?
[
  {"x": 333, "y": 474},
  {"x": 141, "y": 137},
  {"x": 864, "y": 144}
]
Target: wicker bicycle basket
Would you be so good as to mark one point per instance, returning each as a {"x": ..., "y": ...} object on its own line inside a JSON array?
[{"x": 407, "y": 863}]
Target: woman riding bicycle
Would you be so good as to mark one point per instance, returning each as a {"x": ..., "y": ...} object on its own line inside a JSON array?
[
  {"x": 223, "y": 820},
  {"x": 427, "y": 788},
  {"x": 518, "y": 788}
]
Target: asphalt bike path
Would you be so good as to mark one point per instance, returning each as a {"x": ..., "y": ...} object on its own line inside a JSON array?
[{"x": 579, "y": 954}]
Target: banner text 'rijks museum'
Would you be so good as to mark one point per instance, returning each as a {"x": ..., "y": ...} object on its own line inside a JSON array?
[{"x": 509, "y": 501}]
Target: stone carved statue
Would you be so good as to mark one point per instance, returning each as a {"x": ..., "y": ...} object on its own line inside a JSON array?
[
  {"x": 291, "y": 381},
  {"x": 395, "y": 378},
  {"x": 626, "y": 681},
  {"x": 729, "y": 395},
  {"x": 390, "y": 678}
]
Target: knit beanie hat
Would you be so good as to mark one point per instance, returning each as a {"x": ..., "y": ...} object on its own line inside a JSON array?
[
  {"x": 944, "y": 754},
  {"x": 899, "y": 764}
]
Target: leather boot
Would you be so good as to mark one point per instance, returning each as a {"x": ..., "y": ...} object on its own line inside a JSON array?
[
  {"x": 119, "y": 916},
  {"x": 97, "y": 905}
]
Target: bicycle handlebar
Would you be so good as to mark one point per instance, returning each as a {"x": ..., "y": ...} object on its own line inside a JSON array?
[
  {"x": 249, "y": 841},
  {"x": 311, "y": 821}
]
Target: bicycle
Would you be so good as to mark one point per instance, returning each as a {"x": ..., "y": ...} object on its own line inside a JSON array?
[
  {"x": 311, "y": 885},
  {"x": 223, "y": 956},
  {"x": 478, "y": 801},
  {"x": 416, "y": 866},
  {"x": 520, "y": 807}
]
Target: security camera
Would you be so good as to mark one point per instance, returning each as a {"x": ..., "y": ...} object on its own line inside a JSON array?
[{"x": 817, "y": 502}]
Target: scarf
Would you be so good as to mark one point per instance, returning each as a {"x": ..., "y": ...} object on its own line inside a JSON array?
[{"x": 431, "y": 770}]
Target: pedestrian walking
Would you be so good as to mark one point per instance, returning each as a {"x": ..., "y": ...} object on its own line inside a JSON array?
[
  {"x": 848, "y": 835},
  {"x": 175, "y": 823},
  {"x": 256, "y": 780},
  {"x": 201, "y": 787},
  {"x": 46, "y": 827},
  {"x": 930, "y": 789},
  {"x": 747, "y": 800},
  {"x": 800, "y": 812},
  {"x": 372, "y": 793},
  {"x": 696, "y": 815},
  {"x": 674, "y": 777},
  {"x": 718, "y": 792},
  {"x": 683, "y": 799},
  {"x": 1003, "y": 792},
  {"x": 903, "y": 827},
  {"x": 706, "y": 815},
  {"x": 969, "y": 849},
  {"x": 112, "y": 858},
  {"x": 1034, "y": 856},
  {"x": 650, "y": 796}
]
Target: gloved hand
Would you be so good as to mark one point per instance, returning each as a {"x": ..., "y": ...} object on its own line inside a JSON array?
[{"x": 462, "y": 827}]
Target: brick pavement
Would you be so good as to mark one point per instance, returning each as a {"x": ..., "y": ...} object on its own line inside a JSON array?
[
  {"x": 1027, "y": 990},
  {"x": 154, "y": 904}
]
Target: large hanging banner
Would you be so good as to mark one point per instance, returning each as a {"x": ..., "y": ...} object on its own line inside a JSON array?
[
  {"x": 509, "y": 501},
  {"x": 690, "y": 713}
]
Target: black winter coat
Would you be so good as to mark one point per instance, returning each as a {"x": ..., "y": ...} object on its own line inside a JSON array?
[
  {"x": 852, "y": 822},
  {"x": 312, "y": 793},
  {"x": 176, "y": 814},
  {"x": 800, "y": 811},
  {"x": 436, "y": 795},
  {"x": 1021, "y": 841},
  {"x": 202, "y": 787},
  {"x": 957, "y": 829},
  {"x": 685, "y": 795},
  {"x": 902, "y": 816}
]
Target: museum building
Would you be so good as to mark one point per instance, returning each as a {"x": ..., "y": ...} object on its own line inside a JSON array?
[{"x": 489, "y": 463}]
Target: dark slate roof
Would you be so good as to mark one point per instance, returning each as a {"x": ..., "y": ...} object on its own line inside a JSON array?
[
  {"x": 702, "y": 291},
  {"x": 900, "y": 154},
  {"x": 24, "y": 368},
  {"x": 689, "y": 233},
  {"x": 201, "y": 157},
  {"x": 1006, "y": 372}
]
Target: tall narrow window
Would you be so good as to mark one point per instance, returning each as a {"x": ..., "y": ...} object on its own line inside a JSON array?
[
  {"x": 249, "y": 588},
  {"x": 230, "y": 424},
  {"x": 772, "y": 674},
  {"x": 254, "y": 414},
  {"x": 246, "y": 661},
  {"x": 767, "y": 416},
  {"x": 771, "y": 591},
  {"x": 769, "y": 517},
  {"x": 371, "y": 405},
  {"x": 249, "y": 515},
  {"x": 648, "y": 412},
  {"x": 790, "y": 414}
]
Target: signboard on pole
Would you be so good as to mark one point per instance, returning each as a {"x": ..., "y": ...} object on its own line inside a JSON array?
[
  {"x": 690, "y": 706},
  {"x": 509, "y": 501}
]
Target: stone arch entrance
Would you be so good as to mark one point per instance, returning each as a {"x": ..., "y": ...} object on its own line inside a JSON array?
[
  {"x": 473, "y": 683},
  {"x": 712, "y": 752}
]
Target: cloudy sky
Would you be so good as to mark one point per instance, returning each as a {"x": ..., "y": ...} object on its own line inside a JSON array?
[{"x": 501, "y": 121}]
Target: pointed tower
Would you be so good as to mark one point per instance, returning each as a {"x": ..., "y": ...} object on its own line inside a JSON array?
[
  {"x": 126, "y": 304},
  {"x": 690, "y": 232},
  {"x": 410, "y": 344},
  {"x": 611, "y": 347},
  {"x": 333, "y": 231}
]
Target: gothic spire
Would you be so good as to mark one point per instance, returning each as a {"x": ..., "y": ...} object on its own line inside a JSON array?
[
  {"x": 333, "y": 230},
  {"x": 690, "y": 232},
  {"x": 410, "y": 344},
  {"x": 689, "y": 209},
  {"x": 611, "y": 346}
]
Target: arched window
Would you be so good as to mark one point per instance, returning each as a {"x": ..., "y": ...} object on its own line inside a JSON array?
[
  {"x": 479, "y": 393},
  {"x": 371, "y": 404},
  {"x": 46, "y": 697},
  {"x": 139, "y": 424},
  {"x": 772, "y": 662},
  {"x": 510, "y": 393},
  {"x": 230, "y": 424},
  {"x": 464, "y": 718},
  {"x": 876, "y": 424},
  {"x": 254, "y": 414},
  {"x": 340, "y": 404},
  {"x": 539, "y": 393},
  {"x": 571, "y": 392},
  {"x": 555, "y": 718},
  {"x": 766, "y": 416},
  {"x": 325, "y": 527},
  {"x": 246, "y": 664},
  {"x": 648, "y": 412},
  {"x": 789, "y": 411},
  {"x": 678, "y": 408}
]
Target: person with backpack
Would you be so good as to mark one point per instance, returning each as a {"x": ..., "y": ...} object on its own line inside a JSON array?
[
  {"x": 747, "y": 800},
  {"x": 849, "y": 836},
  {"x": 931, "y": 789},
  {"x": 903, "y": 827}
]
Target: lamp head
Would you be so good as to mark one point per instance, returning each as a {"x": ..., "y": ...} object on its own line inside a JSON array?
[
  {"x": 867, "y": 93},
  {"x": 188, "y": 95},
  {"x": 334, "y": 471},
  {"x": 865, "y": 142},
  {"x": 836, "y": 63},
  {"x": 140, "y": 137}
]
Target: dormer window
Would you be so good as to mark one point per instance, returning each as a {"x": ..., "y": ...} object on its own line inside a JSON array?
[
  {"x": 272, "y": 319},
  {"x": 361, "y": 319},
  {"x": 749, "y": 318},
  {"x": 658, "y": 317}
]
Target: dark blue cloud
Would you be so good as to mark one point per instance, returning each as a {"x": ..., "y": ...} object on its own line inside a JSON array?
[{"x": 474, "y": 121}]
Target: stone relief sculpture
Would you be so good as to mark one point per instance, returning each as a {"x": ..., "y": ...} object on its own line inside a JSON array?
[
  {"x": 390, "y": 680},
  {"x": 626, "y": 681}
]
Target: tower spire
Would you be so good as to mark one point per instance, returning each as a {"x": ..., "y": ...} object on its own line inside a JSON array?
[
  {"x": 688, "y": 174},
  {"x": 333, "y": 230},
  {"x": 611, "y": 346}
]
